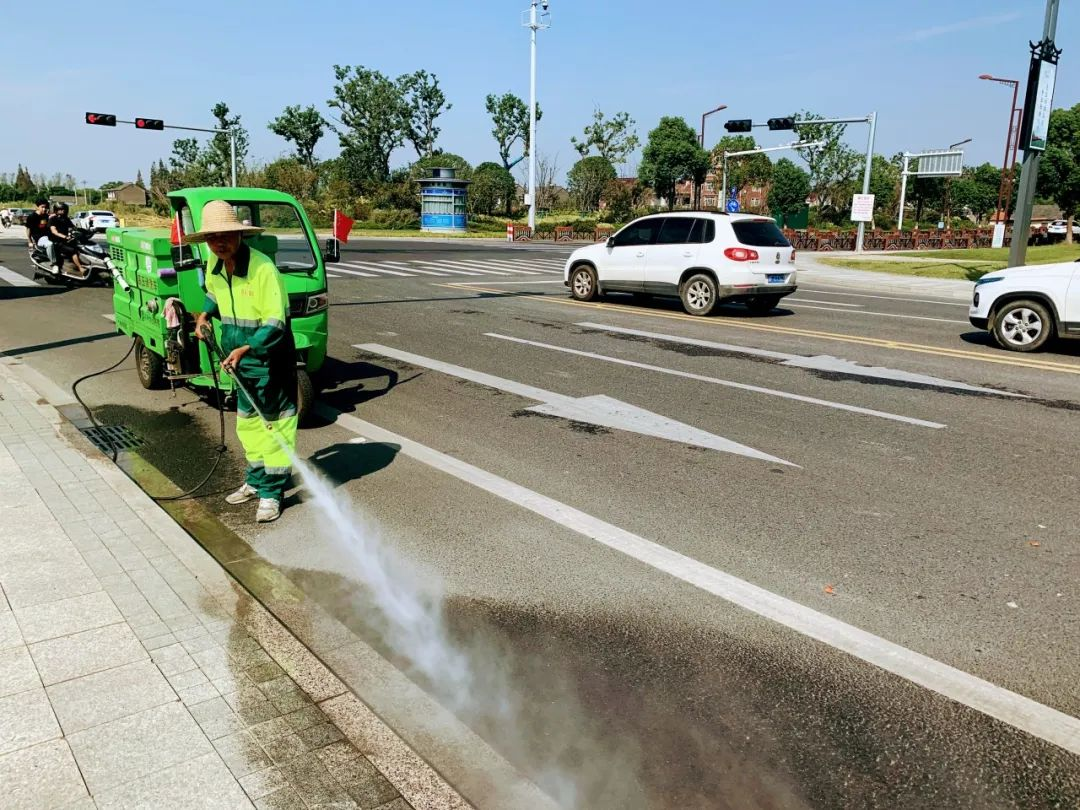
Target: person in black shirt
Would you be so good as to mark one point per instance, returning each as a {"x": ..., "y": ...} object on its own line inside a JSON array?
[
  {"x": 37, "y": 228},
  {"x": 61, "y": 229}
]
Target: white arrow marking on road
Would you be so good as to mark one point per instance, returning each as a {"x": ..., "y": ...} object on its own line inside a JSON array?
[
  {"x": 16, "y": 279},
  {"x": 729, "y": 383},
  {"x": 595, "y": 410},
  {"x": 822, "y": 362}
]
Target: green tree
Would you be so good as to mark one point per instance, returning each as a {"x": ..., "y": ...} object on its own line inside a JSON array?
[
  {"x": 218, "y": 154},
  {"x": 372, "y": 121},
  {"x": 510, "y": 116},
  {"x": 885, "y": 186},
  {"x": 448, "y": 160},
  {"x": 587, "y": 180},
  {"x": 24, "y": 186},
  {"x": 832, "y": 165},
  {"x": 138, "y": 179},
  {"x": 790, "y": 188},
  {"x": 614, "y": 138},
  {"x": 671, "y": 155},
  {"x": 293, "y": 176},
  {"x": 1059, "y": 169},
  {"x": 742, "y": 171},
  {"x": 618, "y": 201},
  {"x": 492, "y": 187},
  {"x": 303, "y": 128},
  {"x": 977, "y": 190},
  {"x": 927, "y": 193},
  {"x": 424, "y": 102}
]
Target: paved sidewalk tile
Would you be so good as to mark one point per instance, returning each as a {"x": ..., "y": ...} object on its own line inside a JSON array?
[
  {"x": 17, "y": 671},
  {"x": 199, "y": 784},
  {"x": 61, "y": 659},
  {"x": 43, "y": 775},
  {"x": 26, "y": 718},
  {"x": 103, "y": 696},
  {"x": 66, "y": 616}
]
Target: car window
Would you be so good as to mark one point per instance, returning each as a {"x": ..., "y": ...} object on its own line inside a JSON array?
[
  {"x": 642, "y": 232},
  {"x": 759, "y": 233},
  {"x": 675, "y": 231},
  {"x": 704, "y": 231}
]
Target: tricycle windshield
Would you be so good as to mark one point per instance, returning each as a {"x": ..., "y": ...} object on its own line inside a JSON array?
[{"x": 285, "y": 239}]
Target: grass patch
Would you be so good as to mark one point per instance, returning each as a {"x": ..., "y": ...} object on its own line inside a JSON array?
[
  {"x": 956, "y": 270},
  {"x": 1039, "y": 254}
]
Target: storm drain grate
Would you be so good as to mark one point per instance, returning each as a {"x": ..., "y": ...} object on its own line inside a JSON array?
[{"x": 112, "y": 437}]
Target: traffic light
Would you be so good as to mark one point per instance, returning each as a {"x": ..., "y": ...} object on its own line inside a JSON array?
[
  {"x": 101, "y": 119},
  {"x": 781, "y": 123},
  {"x": 738, "y": 125},
  {"x": 149, "y": 123}
]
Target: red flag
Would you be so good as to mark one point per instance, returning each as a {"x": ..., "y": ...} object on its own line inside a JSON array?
[
  {"x": 176, "y": 236},
  {"x": 342, "y": 226}
]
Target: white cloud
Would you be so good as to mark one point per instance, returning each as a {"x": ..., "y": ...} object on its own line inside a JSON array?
[{"x": 963, "y": 25}]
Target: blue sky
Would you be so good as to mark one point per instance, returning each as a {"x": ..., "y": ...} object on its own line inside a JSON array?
[{"x": 836, "y": 57}]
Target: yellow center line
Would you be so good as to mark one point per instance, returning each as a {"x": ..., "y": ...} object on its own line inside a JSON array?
[{"x": 881, "y": 343}]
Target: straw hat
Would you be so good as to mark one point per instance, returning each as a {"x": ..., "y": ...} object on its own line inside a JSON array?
[{"x": 220, "y": 217}]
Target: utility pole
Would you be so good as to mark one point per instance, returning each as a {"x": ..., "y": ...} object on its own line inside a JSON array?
[
  {"x": 872, "y": 120},
  {"x": 1037, "y": 103},
  {"x": 535, "y": 24}
]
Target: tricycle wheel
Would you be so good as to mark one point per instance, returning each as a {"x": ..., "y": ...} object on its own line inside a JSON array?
[
  {"x": 149, "y": 366},
  {"x": 305, "y": 395}
]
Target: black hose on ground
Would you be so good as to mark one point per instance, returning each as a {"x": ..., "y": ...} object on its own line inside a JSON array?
[{"x": 220, "y": 450}]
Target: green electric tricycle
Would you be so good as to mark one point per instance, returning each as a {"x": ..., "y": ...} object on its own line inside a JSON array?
[{"x": 163, "y": 287}]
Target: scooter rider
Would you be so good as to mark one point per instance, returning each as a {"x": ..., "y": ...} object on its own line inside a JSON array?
[
  {"x": 62, "y": 230},
  {"x": 246, "y": 292},
  {"x": 37, "y": 229}
]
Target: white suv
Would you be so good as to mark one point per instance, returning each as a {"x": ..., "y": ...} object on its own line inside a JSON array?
[
  {"x": 702, "y": 258},
  {"x": 101, "y": 221},
  {"x": 1025, "y": 306}
]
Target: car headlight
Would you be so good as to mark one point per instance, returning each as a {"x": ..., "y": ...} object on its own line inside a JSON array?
[{"x": 317, "y": 303}]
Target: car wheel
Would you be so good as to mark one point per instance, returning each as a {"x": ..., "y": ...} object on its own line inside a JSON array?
[
  {"x": 305, "y": 396},
  {"x": 583, "y": 283},
  {"x": 148, "y": 366},
  {"x": 762, "y": 304},
  {"x": 1023, "y": 326},
  {"x": 699, "y": 294}
]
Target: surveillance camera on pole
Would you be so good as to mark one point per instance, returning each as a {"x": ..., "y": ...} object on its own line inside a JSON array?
[{"x": 534, "y": 24}]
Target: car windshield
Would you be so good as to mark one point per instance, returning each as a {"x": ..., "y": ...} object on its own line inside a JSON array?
[
  {"x": 759, "y": 233},
  {"x": 284, "y": 239}
]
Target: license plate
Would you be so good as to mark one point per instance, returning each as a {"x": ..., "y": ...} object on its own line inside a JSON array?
[{"x": 774, "y": 279}]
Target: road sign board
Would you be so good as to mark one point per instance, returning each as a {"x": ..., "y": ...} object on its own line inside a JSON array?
[
  {"x": 862, "y": 208},
  {"x": 733, "y": 206},
  {"x": 1040, "y": 111},
  {"x": 941, "y": 163}
]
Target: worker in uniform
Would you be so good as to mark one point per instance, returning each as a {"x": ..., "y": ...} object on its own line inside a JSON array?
[{"x": 245, "y": 291}]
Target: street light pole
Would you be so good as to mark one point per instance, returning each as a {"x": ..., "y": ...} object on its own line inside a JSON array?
[
  {"x": 701, "y": 142},
  {"x": 872, "y": 119},
  {"x": 948, "y": 188},
  {"x": 534, "y": 25},
  {"x": 1012, "y": 142},
  {"x": 1029, "y": 169}
]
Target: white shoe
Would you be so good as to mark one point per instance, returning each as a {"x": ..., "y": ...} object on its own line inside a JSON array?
[
  {"x": 242, "y": 495},
  {"x": 269, "y": 510}
]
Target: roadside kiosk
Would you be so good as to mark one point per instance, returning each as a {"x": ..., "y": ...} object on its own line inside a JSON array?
[{"x": 442, "y": 201}]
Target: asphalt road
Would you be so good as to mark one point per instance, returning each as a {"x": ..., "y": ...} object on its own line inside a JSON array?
[{"x": 746, "y": 583}]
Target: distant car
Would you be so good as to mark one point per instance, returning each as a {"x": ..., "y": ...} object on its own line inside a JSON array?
[
  {"x": 101, "y": 221},
  {"x": 82, "y": 220},
  {"x": 1023, "y": 307},
  {"x": 701, "y": 258},
  {"x": 19, "y": 215},
  {"x": 1059, "y": 227}
]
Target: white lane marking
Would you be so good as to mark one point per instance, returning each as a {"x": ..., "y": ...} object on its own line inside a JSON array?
[
  {"x": 466, "y": 285},
  {"x": 1018, "y": 711},
  {"x": 446, "y": 266},
  {"x": 886, "y": 315},
  {"x": 350, "y": 272},
  {"x": 410, "y": 268},
  {"x": 942, "y": 303},
  {"x": 596, "y": 409},
  {"x": 331, "y": 275},
  {"x": 447, "y": 269},
  {"x": 497, "y": 270},
  {"x": 16, "y": 279},
  {"x": 374, "y": 268},
  {"x": 815, "y": 301},
  {"x": 821, "y": 362},
  {"x": 109, "y": 317},
  {"x": 840, "y": 406}
]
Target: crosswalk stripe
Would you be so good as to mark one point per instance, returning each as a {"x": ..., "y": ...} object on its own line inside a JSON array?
[
  {"x": 16, "y": 279},
  {"x": 446, "y": 269},
  {"x": 339, "y": 269},
  {"x": 496, "y": 270},
  {"x": 476, "y": 267},
  {"x": 374, "y": 268},
  {"x": 530, "y": 267},
  {"x": 411, "y": 269},
  {"x": 332, "y": 275}
]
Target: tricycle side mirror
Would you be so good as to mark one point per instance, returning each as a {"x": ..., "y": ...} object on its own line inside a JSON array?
[{"x": 333, "y": 252}]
